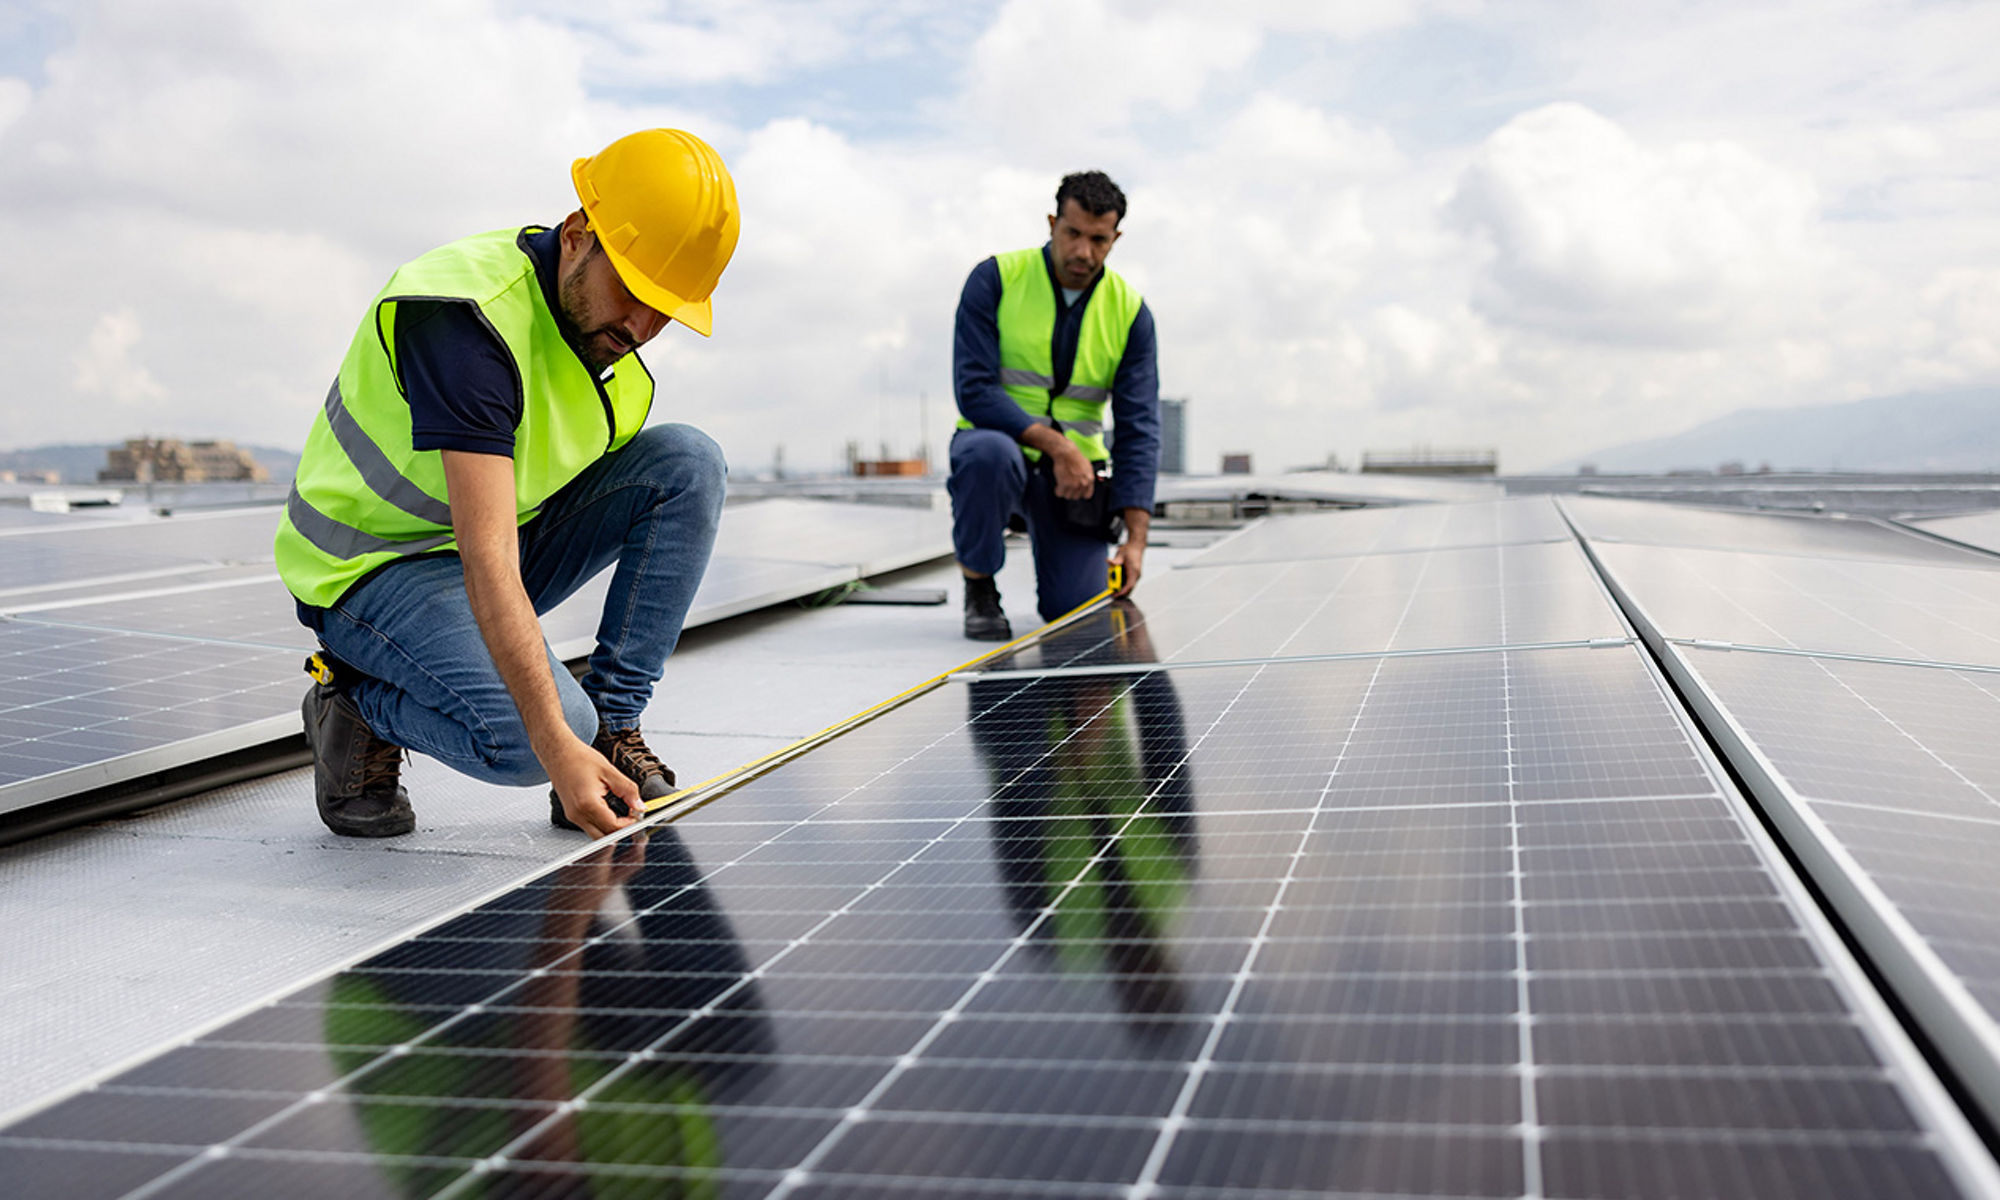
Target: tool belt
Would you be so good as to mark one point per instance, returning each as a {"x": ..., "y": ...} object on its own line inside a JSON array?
[{"x": 1093, "y": 516}]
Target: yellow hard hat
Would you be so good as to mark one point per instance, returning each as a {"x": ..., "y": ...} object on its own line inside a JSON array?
[{"x": 664, "y": 208}]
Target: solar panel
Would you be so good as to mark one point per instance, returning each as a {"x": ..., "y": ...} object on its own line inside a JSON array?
[
  {"x": 73, "y": 699},
  {"x": 1338, "y": 487},
  {"x": 1888, "y": 777},
  {"x": 1829, "y": 682},
  {"x": 247, "y": 611},
  {"x": 1974, "y": 529},
  {"x": 1469, "y": 924},
  {"x": 1375, "y": 531},
  {"x": 1507, "y": 595},
  {"x": 1605, "y": 520},
  {"x": 872, "y": 538},
  {"x": 1893, "y": 609},
  {"x": 78, "y": 552}
]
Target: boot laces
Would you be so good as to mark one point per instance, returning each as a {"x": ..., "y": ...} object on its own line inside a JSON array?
[
  {"x": 381, "y": 764},
  {"x": 630, "y": 754}
]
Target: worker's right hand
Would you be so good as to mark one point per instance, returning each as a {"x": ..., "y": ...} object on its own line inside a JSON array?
[
  {"x": 1075, "y": 477},
  {"x": 582, "y": 777}
]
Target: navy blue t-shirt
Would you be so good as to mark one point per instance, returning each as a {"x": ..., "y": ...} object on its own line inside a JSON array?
[{"x": 457, "y": 374}]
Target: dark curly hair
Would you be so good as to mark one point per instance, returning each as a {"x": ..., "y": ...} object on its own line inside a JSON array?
[{"x": 1094, "y": 193}]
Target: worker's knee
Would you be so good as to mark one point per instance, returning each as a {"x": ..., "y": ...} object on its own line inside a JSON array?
[
  {"x": 685, "y": 462},
  {"x": 986, "y": 457}
]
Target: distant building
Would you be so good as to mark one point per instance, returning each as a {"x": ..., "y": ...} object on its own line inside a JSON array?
[
  {"x": 1173, "y": 436},
  {"x": 1425, "y": 461},
  {"x": 1236, "y": 464},
  {"x": 883, "y": 464},
  {"x": 171, "y": 460},
  {"x": 891, "y": 466}
]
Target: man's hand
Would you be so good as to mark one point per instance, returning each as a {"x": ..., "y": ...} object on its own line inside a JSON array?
[
  {"x": 581, "y": 777},
  {"x": 1075, "y": 477},
  {"x": 1131, "y": 555}
]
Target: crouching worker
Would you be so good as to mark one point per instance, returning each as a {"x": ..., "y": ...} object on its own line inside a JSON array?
[{"x": 484, "y": 452}]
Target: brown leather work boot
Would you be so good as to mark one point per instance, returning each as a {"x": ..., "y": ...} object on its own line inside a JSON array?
[
  {"x": 627, "y": 751},
  {"x": 356, "y": 775}
]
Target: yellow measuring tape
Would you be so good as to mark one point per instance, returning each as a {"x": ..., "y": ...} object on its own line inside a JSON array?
[{"x": 848, "y": 722}]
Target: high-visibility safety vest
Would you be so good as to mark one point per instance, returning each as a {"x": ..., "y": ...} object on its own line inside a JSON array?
[
  {"x": 1027, "y": 320},
  {"x": 363, "y": 496}
]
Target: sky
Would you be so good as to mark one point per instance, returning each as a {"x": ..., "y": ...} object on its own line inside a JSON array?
[{"x": 1542, "y": 228}]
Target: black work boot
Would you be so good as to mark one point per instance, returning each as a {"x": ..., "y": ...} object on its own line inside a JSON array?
[
  {"x": 627, "y": 751},
  {"x": 984, "y": 620},
  {"x": 356, "y": 775}
]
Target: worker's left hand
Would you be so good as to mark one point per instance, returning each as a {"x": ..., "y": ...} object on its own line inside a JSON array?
[
  {"x": 583, "y": 778},
  {"x": 1129, "y": 556}
]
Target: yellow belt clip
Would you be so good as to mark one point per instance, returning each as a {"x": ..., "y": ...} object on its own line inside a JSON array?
[
  {"x": 316, "y": 667},
  {"x": 1115, "y": 576}
]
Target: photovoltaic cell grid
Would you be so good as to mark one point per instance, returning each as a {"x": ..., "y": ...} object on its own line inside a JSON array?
[
  {"x": 173, "y": 595},
  {"x": 70, "y": 698},
  {"x": 1385, "y": 530},
  {"x": 1602, "y": 521},
  {"x": 1902, "y": 766},
  {"x": 1886, "y": 609},
  {"x": 1502, "y": 595},
  {"x": 1879, "y": 768},
  {"x": 1974, "y": 529},
  {"x": 1468, "y": 925}
]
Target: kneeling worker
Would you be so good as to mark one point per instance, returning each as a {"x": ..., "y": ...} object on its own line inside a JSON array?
[
  {"x": 484, "y": 452},
  {"x": 1049, "y": 344}
]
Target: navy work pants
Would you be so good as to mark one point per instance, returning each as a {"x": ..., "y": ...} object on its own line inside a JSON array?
[{"x": 992, "y": 480}]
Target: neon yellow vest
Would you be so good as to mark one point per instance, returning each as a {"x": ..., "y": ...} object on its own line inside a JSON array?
[
  {"x": 1027, "y": 320},
  {"x": 364, "y": 497}
]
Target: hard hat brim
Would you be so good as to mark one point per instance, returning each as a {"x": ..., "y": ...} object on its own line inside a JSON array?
[{"x": 697, "y": 315}]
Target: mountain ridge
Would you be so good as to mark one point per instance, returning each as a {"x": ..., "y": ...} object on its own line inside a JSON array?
[{"x": 1955, "y": 430}]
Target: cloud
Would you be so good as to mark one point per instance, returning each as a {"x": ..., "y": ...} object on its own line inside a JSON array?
[
  {"x": 648, "y": 45},
  {"x": 1617, "y": 222},
  {"x": 1595, "y": 236},
  {"x": 15, "y": 96},
  {"x": 106, "y": 367},
  {"x": 1059, "y": 72}
]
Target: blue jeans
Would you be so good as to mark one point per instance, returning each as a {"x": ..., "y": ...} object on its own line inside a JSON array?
[
  {"x": 991, "y": 481},
  {"x": 651, "y": 507}
]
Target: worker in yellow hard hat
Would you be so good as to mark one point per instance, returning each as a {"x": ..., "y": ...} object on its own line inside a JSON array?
[{"x": 483, "y": 452}]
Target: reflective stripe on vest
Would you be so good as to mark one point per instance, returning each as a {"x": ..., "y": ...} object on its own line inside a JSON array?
[
  {"x": 1027, "y": 318},
  {"x": 364, "y": 496}
]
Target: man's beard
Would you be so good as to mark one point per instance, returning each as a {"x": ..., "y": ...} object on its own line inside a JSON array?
[{"x": 593, "y": 347}]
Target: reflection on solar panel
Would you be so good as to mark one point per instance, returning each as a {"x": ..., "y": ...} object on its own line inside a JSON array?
[
  {"x": 1508, "y": 595},
  {"x": 1881, "y": 608},
  {"x": 1481, "y": 923},
  {"x": 1826, "y": 681},
  {"x": 221, "y": 629},
  {"x": 1974, "y": 529},
  {"x": 1378, "y": 531},
  {"x": 1602, "y": 520}
]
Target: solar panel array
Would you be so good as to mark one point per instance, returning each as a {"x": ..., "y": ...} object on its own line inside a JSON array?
[
  {"x": 1858, "y": 694},
  {"x": 128, "y": 647},
  {"x": 1981, "y": 529},
  {"x": 1482, "y": 920}
]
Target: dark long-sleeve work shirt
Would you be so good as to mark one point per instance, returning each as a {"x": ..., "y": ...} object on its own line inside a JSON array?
[{"x": 1135, "y": 390}]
